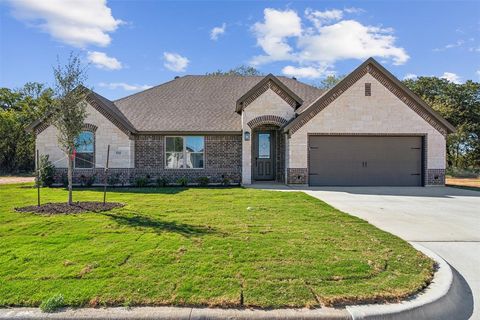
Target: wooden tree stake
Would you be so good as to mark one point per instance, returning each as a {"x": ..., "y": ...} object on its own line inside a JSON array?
[
  {"x": 105, "y": 176},
  {"x": 38, "y": 178}
]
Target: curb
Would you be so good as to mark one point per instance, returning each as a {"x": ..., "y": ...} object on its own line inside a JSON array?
[{"x": 437, "y": 301}]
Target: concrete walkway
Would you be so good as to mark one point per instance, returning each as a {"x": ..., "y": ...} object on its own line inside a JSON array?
[{"x": 445, "y": 220}]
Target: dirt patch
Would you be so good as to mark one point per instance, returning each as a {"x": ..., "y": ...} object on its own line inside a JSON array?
[
  {"x": 64, "y": 208},
  {"x": 9, "y": 180},
  {"x": 464, "y": 182}
]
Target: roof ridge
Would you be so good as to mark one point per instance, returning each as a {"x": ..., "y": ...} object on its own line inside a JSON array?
[{"x": 154, "y": 87}]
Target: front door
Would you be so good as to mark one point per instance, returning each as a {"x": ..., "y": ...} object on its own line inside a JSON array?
[{"x": 264, "y": 155}]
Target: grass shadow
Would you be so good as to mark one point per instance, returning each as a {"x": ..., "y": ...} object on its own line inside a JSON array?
[
  {"x": 159, "y": 226},
  {"x": 149, "y": 190}
]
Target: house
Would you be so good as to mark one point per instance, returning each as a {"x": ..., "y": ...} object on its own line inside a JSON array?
[{"x": 368, "y": 130}]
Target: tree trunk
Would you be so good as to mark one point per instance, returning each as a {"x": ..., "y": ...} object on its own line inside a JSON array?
[{"x": 70, "y": 178}]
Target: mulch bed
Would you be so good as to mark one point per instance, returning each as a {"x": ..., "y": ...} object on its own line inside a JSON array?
[{"x": 64, "y": 208}]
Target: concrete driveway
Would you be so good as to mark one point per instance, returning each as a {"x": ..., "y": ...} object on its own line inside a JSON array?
[{"x": 445, "y": 220}]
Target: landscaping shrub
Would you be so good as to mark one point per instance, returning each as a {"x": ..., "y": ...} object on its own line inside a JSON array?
[
  {"x": 225, "y": 182},
  {"x": 161, "y": 182},
  {"x": 113, "y": 179},
  {"x": 87, "y": 181},
  {"x": 47, "y": 171},
  {"x": 53, "y": 303},
  {"x": 183, "y": 182},
  {"x": 203, "y": 181},
  {"x": 141, "y": 182}
]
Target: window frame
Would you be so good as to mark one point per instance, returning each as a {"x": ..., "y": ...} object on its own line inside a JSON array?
[
  {"x": 184, "y": 152},
  {"x": 93, "y": 152}
]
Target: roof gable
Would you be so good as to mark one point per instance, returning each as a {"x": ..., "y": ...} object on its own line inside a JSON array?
[
  {"x": 106, "y": 107},
  {"x": 385, "y": 78},
  {"x": 273, "y": 83}
]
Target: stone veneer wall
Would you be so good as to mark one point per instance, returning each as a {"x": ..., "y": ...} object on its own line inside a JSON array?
[
  {"x": 106, "y": 133},
  {"x": 354, "y": 113}
]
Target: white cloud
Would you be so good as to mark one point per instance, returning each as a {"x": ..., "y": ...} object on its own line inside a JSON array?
[
  {"x": 76, "y": 22},
  {"x": 218, "y": 31},
  {"x": 175, "y": 62},
  {"x": 329, "y": 40},
  {"x": 354, "y": 10},
  {"x": 306, "y": 72},
  {"x": 124, "y": 86},
  {"x": 102, "y": 61},
  {"x": 409, "y": 76},
  {"x": 456, "y": 44},
  {"x": 272, "y": 34},
  {"x": 478, "y": 73},
  {"x": 452, "y": 77},
  {"x": 318, "y": 18}
]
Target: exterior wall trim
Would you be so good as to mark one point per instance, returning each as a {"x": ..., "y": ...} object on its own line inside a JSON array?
[
  {"x": 90, "y": 127},
  {"x": 267, "y": 119}
]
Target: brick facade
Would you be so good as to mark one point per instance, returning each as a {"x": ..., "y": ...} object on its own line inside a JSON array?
[
  {"x": 223, "y": 157},
  {"x": 435, "y": 177},
  {"x": 297, "y": 175}
]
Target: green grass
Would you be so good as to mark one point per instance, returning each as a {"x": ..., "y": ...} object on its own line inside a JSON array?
[
  {"x": 199, "y": 246},
  {"x": 53, "y": 303}
]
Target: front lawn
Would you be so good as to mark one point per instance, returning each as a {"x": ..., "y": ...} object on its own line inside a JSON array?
[{"x": 215, "y": 247}]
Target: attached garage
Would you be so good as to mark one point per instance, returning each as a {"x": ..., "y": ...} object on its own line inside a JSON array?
[{"x": 365, "y": 160}]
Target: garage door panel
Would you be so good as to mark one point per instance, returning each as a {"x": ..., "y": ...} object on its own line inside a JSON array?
[{"x": 365, "y": 160}]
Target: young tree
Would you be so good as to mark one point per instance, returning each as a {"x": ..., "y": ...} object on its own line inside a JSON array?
[
  {"x": 329, "y": 82},
  {"x": 69, "y": 112}
]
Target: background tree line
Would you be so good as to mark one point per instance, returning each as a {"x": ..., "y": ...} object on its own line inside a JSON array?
[{"x": 458, "y": 103}]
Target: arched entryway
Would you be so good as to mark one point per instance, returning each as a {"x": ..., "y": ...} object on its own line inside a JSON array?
[{"x": 268, "y": 148}]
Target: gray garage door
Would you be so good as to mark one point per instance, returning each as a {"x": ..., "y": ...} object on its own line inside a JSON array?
[{"x": 365, "y": 161}]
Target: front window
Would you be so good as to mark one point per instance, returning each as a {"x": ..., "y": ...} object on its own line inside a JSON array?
[
  {"x": 84, "y": 150},
  {"x": 184, "y": 152}
]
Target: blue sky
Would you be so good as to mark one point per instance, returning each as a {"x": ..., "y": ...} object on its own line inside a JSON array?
[{"x": 132, "y": 45}]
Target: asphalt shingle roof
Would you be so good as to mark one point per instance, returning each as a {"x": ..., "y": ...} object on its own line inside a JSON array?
[{"x": 198, "y": 103}]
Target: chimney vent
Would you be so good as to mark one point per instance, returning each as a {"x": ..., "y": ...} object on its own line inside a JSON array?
[
  {"x": 176, "y": 77},
  {"x": 294, "y": 78}
]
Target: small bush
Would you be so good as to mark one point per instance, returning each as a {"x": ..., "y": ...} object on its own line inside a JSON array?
[
  {"x": 183, "y": 181},
  {"x": 225, "y": 182},
  {"x": 87, "y": 181},
  {"x": 53, "y": 303},
  {"x": 203, "y": 181},
  {"x": 47, "y": 171},
  {"x": 113, "y": 179},
  {"x": 141, "y": 182},
  {"x": 161, "y": 182}
]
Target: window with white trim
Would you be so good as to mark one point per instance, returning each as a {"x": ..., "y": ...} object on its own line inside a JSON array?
[
  {"x": 84, "y": 150},
  {"x": 185, "y": 152}
]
